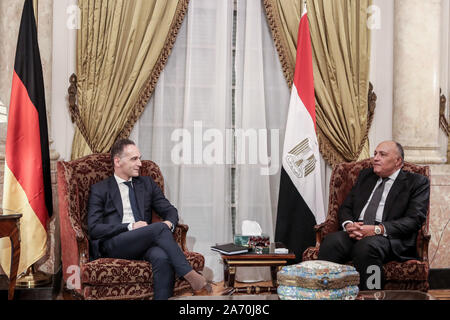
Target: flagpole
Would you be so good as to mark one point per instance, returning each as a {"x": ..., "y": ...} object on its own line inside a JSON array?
[{"x": 36, "y": 13}]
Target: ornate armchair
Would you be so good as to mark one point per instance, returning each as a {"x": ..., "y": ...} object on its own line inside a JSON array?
[
  {"x": 408, "y": 275},
  {"x": 104, "y": 278}
]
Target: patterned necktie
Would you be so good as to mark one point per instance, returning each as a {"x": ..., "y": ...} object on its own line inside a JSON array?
[
  {"x": 371, "y": 211},
  {"x": 133, "y": 201}
]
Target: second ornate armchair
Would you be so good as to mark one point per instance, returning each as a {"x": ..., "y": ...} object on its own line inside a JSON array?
[
  {"x": 104, "y": 278},
  {"x": 409, "y": 275}
]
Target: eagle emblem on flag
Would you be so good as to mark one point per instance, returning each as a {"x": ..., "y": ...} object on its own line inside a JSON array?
[{"x": 301, "y": 159}]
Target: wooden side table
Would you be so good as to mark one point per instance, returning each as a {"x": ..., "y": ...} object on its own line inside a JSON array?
[
  {"x": 273, "y": 260},
  {"x": 9, "y": 227}
]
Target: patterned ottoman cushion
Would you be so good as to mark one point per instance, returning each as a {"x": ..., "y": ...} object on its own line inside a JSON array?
[
  {"x": 318, "y": 280},
  {"x": 298, "y": 293}
]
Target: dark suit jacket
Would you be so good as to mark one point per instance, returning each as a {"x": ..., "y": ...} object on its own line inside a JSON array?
[
  {"x": 105, "y": 209},
  {"x": 404, "y": 211}
]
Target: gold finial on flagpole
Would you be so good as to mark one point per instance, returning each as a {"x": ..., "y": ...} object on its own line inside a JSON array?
[{"x": 36, "y": 12}]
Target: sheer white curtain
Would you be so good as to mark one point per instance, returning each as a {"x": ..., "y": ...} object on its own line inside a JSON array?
[
  {"x": 191, "y": 108},
  {"x": 262, "y": 101},
  {"x": 325, "y": 171},
  {"x": 194, "y": 94}
]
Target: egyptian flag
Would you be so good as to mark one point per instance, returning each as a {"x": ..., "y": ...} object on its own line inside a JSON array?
[
  {"x": 27, "y": 186},
  {"x": 300, "y": 202}
]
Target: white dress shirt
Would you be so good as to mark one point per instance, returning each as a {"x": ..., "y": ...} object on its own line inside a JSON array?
[
  {"x": 128, "y": 216},
  {"x": 379, "y": 214}
]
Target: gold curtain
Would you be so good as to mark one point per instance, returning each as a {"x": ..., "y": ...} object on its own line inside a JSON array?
[
  {"x": 341, "y": 57},
  {"x": 122, "y": 47}
]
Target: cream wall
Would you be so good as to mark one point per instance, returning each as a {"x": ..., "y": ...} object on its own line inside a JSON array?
[
  {"x": 9, "y": 25},
  {"x": 382, "y": 71},
  {"x": 382, "y": 76},
  {"x": 410, "y": 62}
]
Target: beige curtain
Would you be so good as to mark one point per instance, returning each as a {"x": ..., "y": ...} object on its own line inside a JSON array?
[
  {"x": 341, "y": 57},
  {"x": 122, "y": 48}
]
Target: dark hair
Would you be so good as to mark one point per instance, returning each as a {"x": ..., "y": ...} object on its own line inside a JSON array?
[
  {"x": 118, "y": 147},
  {"x": 400, "y": 151}
]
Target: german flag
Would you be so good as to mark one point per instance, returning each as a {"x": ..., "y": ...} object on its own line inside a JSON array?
[{"x": 27, "y": 184}]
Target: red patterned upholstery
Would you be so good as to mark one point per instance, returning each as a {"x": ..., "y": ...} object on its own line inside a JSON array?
[
  {"x": 104, "y": 278},
  {"x": 409, "y": 275}
]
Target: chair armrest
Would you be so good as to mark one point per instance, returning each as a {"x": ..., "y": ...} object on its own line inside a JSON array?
[
  {"x": 78, "y": 234},
  {"x": 63, "y": 198},
  {"x": 180, "y": 235},
  {"x": 423, "y": 240},
  {"x": 318, "y": 228}
]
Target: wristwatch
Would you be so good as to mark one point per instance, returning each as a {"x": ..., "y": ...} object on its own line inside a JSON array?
[{"x": 377, "y": 230}]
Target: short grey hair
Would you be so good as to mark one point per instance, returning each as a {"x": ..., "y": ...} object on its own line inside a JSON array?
[{"x": 400, "y": 151}]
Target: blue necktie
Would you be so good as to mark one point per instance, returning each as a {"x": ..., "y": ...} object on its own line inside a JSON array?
[{"x": 133, "y": 201}]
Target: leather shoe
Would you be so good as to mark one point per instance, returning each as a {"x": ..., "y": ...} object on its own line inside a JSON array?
[{"x": 206, "y": 290}]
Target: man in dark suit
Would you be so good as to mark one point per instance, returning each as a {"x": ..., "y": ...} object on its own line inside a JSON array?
[
  {"x": 380, "y": 217},
  {"x": 119, "y": 222}
]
